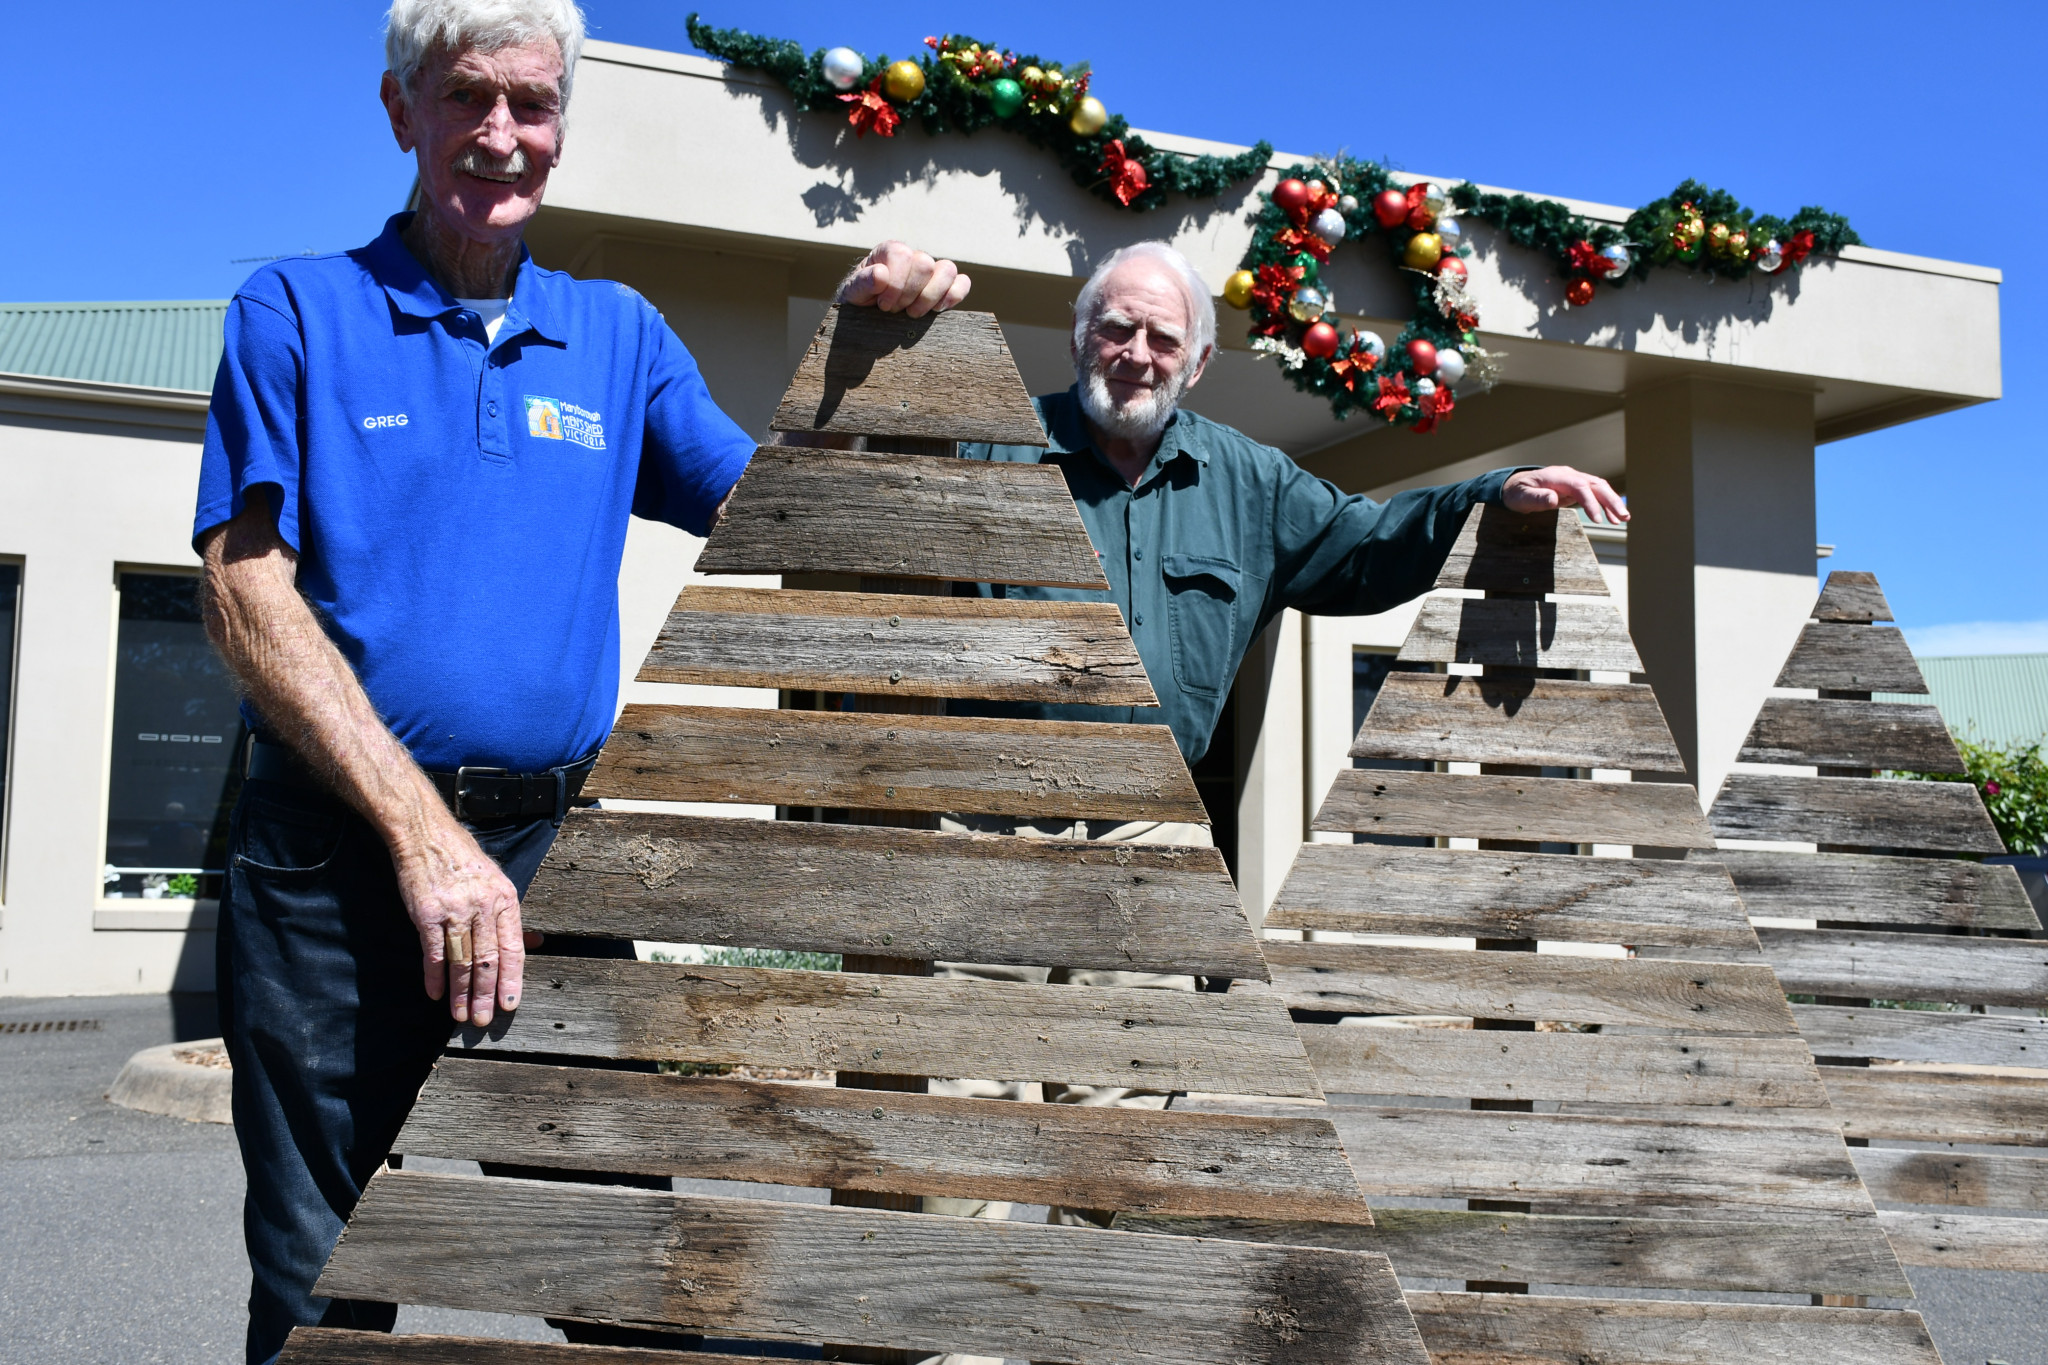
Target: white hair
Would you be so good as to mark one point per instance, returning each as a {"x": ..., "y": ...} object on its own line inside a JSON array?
[
  {"x": 1201, "y": 307},
  {"x": 416, "y": 30}
]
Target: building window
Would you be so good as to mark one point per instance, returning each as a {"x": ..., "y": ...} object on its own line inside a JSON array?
[
  {"x": 177, "y": 728},
  {"x": 1369, "y": 672},
  {"x": 10, "y": 615}
]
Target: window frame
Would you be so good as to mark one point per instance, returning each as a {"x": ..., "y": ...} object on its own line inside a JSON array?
[{"x": 12, "y": 680}]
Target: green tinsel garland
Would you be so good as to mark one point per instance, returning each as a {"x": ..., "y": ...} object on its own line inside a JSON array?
[{"x": 953, "y": 104}]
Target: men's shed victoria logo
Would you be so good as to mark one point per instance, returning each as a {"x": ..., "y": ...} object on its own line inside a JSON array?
[{"x": 551, "y": 419}]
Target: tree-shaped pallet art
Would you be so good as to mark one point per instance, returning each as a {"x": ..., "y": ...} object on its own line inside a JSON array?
[
  {"x": 1911, "y": 941},
  {"x": 1595, "y": 1119},
  {"x": 866, "y": 1274}
]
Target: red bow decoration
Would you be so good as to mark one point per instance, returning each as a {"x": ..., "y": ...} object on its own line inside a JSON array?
[
  {"x": 871, "y": 111},
  {"x": 1274, "y": 286},
  {"x": 1584, "y": 256},
  {"x": 1435, "y": 408},
  {"x": 1393, "y": 396},
  {"x": 1296, "y": 239},
  {"x": 1351, "y": 368},
  {"x": 1127, "y": 177},
  {"x": 1800, "y": 247}
]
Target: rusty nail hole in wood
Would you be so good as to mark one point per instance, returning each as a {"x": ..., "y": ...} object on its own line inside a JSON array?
[
  {"x": 547, "y": 1127},
  {"x": 561, "y": 1026}
]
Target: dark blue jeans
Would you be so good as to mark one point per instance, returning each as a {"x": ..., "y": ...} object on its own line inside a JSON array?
[{"x": 328, "y": 1024}]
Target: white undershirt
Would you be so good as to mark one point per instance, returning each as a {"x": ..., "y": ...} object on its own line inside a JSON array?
[{"x": 492, "y": 311}]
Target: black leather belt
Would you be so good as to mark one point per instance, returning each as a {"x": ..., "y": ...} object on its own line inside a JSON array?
[{"x": 474, "y": 794}]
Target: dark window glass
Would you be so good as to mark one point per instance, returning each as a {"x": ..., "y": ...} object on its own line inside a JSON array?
[
  {"x": 1368, "y": 673},
  {"x": 10, "y": 599},
  {"x": 177, "y": 729}
]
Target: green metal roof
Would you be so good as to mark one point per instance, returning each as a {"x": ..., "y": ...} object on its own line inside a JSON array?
[
  {"x": 1991, "y": 698},
  {"x": 159, "y": 344}
]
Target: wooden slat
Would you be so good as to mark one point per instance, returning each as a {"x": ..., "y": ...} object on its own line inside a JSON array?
[
  {"x": 1928, "y": 1106},
  {"x": 826, "y": 1138},
  {"x": 945, "y": 376},
  {"x": 338, "y": 1346},
  {"x": 1522, "y": 553},
  {"x": 1871, "y": 888},
  {"x": 1847, "y": 658},
  {"x": 1561, "y": 809},
  {"x": 1376, "y": 888},
  {"x": 1867, "y": 964},
  {"x": 1694, "y": 997},
  {"x": 1971, "y": 1241},
  {"x": 1852, "y": 595},
  {"x": 1861, "y": 812},
  {"x": 903, "y": 516},
  {"x": 1846, "y": 1256},
  {"x": 862, "y": 1276},
  {"x": 1851, "y": 734},
  {"x": 1901, "y": 1176},
  {"x": 897, "y": 892},
  {"x": 1573, "y": 1067},
  {"x": 906, "y": 1025},
  {"x": 1007, "y": 649},
  {"x": 1538, "y": 721},
  {"x": 1516, "y": 1329},
  {"x": 1521, "y": 634},
  {"x": 1023, "y": 768},
  {"x": 1924, "y": 1035}
]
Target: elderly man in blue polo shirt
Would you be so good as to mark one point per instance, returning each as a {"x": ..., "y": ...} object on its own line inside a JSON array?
[{"x": 419, "y": 465}]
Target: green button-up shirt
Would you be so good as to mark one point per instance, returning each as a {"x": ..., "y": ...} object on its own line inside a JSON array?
[{"x": 1220, "y": 536}]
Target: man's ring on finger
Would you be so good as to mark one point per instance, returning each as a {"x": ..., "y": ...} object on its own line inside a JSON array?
[{"x": 458, "y": 943}]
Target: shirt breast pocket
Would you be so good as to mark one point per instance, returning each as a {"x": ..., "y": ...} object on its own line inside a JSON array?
[{"x": 1201, "y": 616}]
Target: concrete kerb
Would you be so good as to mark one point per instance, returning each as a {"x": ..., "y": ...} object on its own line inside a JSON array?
[{"x": 188, "y": 1081}]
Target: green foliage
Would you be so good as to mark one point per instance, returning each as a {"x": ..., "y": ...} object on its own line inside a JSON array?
[
  {"x": 2013, "y": 780},
  {"x": 182, "y": 887},
  {"x": 761, "y": 957},
  {"x": 1648, "y": 229}
]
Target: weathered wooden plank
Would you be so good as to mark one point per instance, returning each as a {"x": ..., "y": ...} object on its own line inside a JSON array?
[
  {"x": 897, "y": 762},
  {"x": 1560, "y": 809},
  {"x": 1867, "y": 964},
  {"x": 888, "y": 644},
  {"x": 1861, "y": 812},
  {"x": 1851, "y": 595},
  {"x": 903, "y": 516},
  {"x": 906, "y": 1025},
  {"x": 1517, "y": 1329},
  {"x": 1851, "y": 734},
  {"x": 1379, "y": 889},
  {"x": 1522, "y": 553},
  {"x": 901, "y": 892},
  {"x": 1872, "y": 888},
  {"x": 1901, "y": 1176},
  {"x": 1971, "y": 1241},
  {"x": 1930, "y": 1106},
  {"x": 1845, "y": 1256},
  {"x": 945, "y": 376},
  {"x": 338, "y": 1346},
  {"x": 1835, "y": 656},
  {"x": 1513, "y": 633},
  {"x": 732, "y": 1129},
  {"x": 1695, "y": 997},
  {"x": 1573, "y": 1067},
  {"x": 1544, "y": 722},
  {"x": 862, "y": 1276},
  {"x": 1924, "y": 1035}
]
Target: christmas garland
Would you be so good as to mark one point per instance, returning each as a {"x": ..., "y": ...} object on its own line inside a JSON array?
[{"x": 963, "y": 86}]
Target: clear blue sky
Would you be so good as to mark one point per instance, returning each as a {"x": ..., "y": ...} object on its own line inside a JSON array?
[{"x": 157, "y": 144}]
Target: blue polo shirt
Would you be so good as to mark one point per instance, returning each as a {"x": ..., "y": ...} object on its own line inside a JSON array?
[{"x": 459, "y": 506}]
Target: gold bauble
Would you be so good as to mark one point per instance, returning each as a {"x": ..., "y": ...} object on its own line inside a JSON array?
[
  {"x": 1237, "y": 290},
  {"x": 1031, "y": 78},
  {"x": 903, "y": 81},
  {"x": 1088, "y": 117},
  {"x": 1423, "y": 251},
  {"x": 1738, "y": 245},
  {"x": 1717, "y": 239}
]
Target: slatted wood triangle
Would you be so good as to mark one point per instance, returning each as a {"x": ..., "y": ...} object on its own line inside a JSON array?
[
  {"x": 867, "y": 1274},
  {"x": 1601, "y": 1120},
  {"x": 1911, "y": 943}
]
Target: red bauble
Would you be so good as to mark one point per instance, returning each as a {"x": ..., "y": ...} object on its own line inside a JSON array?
[
  {"x": 1390, "y": 207},
  {"x": 1451, "y": 265},
  {"x": 1320, "y": 341},
  {"x": 1421, "y": 356},
  {"x": 1420, "y": 218},
  {"x": 1291, "y": 195},
  {"x": 1579, "y": 292}
]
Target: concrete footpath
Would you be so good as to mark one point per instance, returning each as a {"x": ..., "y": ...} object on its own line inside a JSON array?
[{"x": 121, "y": 1236}]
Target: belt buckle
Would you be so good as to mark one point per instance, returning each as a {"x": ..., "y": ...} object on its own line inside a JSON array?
[{"x": 462, "y": 776}]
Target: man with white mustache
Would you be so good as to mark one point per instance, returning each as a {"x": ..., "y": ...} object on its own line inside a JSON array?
[{"x": 420, "y": 462}]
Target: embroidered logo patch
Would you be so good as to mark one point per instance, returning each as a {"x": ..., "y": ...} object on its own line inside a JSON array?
[
  {"x": 552, "y": 419},
  {"x": 543, "y": 418}
]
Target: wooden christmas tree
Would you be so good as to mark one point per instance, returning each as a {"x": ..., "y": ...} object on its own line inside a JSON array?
[{"x": 866, "y": 1273}]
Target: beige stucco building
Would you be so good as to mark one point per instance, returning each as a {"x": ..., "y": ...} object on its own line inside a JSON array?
[{"x": 699, "y": 186}]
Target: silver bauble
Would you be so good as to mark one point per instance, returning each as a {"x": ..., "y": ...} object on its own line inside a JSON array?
[
  {"x": 1308, "y": 303},
  {"x": 1349, "y": 203},
  {"x": 1437, "y": 199},
  {"x": 1422, "y": 388},
  {"x": 1450, "y": 233},
  {"x": 1369, "y": 345},
  {"x": 1618, "y": 261},
  {"x": 1450, "y": 365},
  {"x": 1771, "y": 259},
  {"x": 843, "y": 67},
  {"x": 1328, "y": 225}
]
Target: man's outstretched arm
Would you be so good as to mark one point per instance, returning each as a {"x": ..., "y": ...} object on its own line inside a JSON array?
[{"x": 303, "y": 686}]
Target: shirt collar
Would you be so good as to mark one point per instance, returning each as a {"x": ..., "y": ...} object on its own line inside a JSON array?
[
  {"x": 415, "y": 293},
  {"x": 1069, "y": 435}
]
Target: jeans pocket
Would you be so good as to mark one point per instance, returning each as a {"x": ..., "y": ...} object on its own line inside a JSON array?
[{"x": 283, "y": 838}]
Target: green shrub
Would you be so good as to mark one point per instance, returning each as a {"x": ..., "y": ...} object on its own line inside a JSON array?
[{"x": 2013, "y": 780}]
